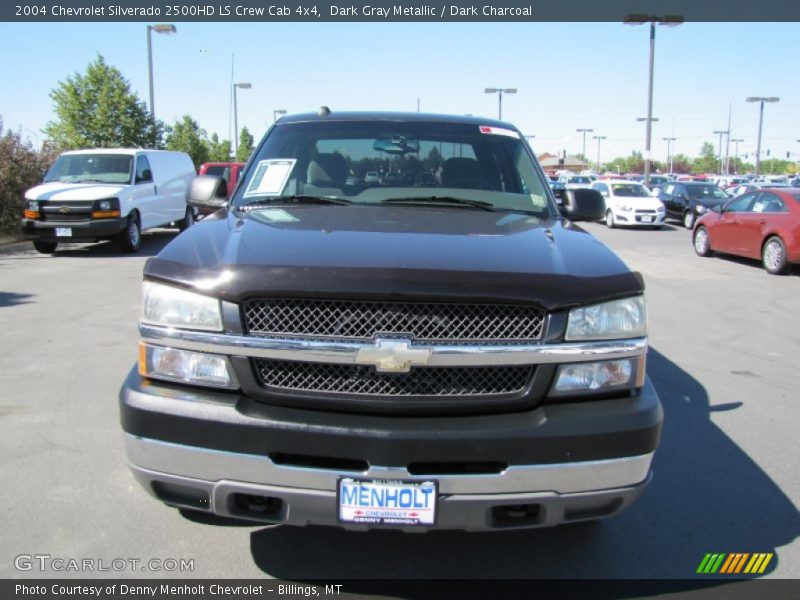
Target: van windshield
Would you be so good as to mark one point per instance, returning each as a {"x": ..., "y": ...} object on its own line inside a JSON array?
[
  {"x": 91, "y": 168},
  {"x": 378, "y": 161}
]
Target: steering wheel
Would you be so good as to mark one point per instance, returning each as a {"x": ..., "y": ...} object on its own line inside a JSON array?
[{"x": 470, "y": 183}]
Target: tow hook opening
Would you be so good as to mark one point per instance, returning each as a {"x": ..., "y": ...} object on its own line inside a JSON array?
[
  {"x": 256, "y": 506},
  {"x": 514, "y": 515}
]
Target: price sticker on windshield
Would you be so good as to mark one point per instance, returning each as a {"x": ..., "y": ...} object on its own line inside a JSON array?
[
  {"x": 499, "y": 131},
  {"x": 270, "y": 177}
]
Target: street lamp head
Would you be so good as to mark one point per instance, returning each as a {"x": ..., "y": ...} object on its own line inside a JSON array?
[
  {"x": 510, "y": 90},
  {"x": 243, "y": 86},
  {"x": 772, "y": 99},
  {"x": 280, "y": 111},
  {"x": 491, "y": 90},
  {"x": 163, "y": 28},
  {"x": 586, "y": 130},
  {"x": 639, "y": 19},
  {"x": 640, "y": 119}
]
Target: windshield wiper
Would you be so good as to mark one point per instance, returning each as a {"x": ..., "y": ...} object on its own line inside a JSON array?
[
  {"x": 298, "y": 199},
  {"x": 443, "y": 200}
]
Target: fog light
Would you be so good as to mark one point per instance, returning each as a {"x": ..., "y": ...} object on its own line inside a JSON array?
[
  {"x": 184, "y": 366},
  {"x": 598, "y": 376}
]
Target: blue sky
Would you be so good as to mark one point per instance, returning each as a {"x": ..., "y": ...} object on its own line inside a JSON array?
[{"x": 569, "y": 76}]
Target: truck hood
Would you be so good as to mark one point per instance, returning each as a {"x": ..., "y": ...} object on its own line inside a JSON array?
[
  {"x": 73, "y": 191},
  {"x": 373, "y": 252}
]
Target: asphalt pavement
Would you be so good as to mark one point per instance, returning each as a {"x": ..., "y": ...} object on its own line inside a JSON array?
[{"x": 725, "y": 350}]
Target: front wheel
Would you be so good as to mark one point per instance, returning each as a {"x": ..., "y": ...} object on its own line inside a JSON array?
[
  {"x": 701, "y": 244},
  {"x": 188, "y": 219},
  {"x": 130, "y": 238},
  {"x": 45, "y": 247},
  {"x": 610, "y": 223},
  {"x": 688, "y": 220},
  {"x": 773, "y": 256}
]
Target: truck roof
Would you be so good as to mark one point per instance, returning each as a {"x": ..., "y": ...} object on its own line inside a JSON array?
[
  {"x": 407, "y": 117},
  {"x": 126, "y": 151}
]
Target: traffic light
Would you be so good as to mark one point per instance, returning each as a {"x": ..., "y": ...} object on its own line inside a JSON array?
[
  {"x": 767, "y": 152},
  {"x": 787, "y": 155}
]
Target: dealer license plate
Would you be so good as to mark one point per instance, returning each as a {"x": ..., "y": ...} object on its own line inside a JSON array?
[
  {"x": 63, "y": 231},
  {"x": 647, "y": 219},
  {"x": 381, "y": 502}
]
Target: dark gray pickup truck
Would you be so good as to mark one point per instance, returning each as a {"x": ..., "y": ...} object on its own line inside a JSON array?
[{"x": 439, "y": 348}]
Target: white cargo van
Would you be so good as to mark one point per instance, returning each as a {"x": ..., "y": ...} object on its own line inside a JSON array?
[{"x": 91, "y": 195}]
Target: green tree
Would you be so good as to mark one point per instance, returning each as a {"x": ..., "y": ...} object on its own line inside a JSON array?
[
  {"x": 681, "y": 163},
  {"x": 219, "y": 150},
  {"x": 97, "y": 109},
  {"x": 186, "y": 136},
  {"x": 245, "y": 148},
  {"x": 707, "y": 162}
]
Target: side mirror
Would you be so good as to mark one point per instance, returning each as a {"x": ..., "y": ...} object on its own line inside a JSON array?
[
  {"x": 717, "y": 208},
  {"x": 208, "y": 193},
  {"x": 147, "y": 175},
  {"x": 583, "y": 205}
]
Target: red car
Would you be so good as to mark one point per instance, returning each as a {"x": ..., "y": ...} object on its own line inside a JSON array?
[{"x": 762, "y": 224}]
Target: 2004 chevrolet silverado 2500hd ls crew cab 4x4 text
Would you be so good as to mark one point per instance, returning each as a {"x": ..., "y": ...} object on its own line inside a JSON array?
[{"x": 449, "y": 354}]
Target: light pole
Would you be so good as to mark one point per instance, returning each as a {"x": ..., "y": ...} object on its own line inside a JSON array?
[
  {"x": 500, "y": 92},
  {"x": 244, "y": 86},
  {"x": 163, "y": 28},
  {"x": 721, "y": 133},
  {"x": 584, "y": 132},
  {"x": 736, "y": 151},
  {"x": 599, "y": 138},
  {"x": 761, "y": 100},
  {"x": 276, "y": 112},
  {"x": 638, "y": 19},
  {"x": 669, "y": 141},
  {"x": 649, "y": 120}
]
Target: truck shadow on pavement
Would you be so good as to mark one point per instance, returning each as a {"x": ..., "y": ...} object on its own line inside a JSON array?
[
  {"x": 707, "y": 495},
  {"x": 14, "y": 298}
]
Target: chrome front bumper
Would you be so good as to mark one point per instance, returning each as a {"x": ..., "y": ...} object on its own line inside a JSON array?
[{"x": 225, "y": 483}]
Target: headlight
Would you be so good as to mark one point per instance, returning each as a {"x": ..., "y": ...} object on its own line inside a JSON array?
[
  {"x": 613, "y": 320},
  {"x": 598, "y": 377},
  {"x": 626, "y": 208},
  {"x": 185, "y": 366},
  {"x": 660, "y": 208},
  {"x": 106, "y": 209},
  {"x": 700, "y": 208},
  {"x": 173, "y": 307}
]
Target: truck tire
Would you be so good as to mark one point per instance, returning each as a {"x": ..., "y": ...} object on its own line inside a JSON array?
[
  {"x": 45, "y": 247},
  {"x": 130, "y": 238}
]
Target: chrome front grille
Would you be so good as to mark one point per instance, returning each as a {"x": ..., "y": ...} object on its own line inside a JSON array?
[
  {"x": 423, "y": 322},
  {"x": 289, "y": 376}
]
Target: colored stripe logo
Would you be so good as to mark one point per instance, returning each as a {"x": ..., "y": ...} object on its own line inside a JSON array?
[{"x": 734, "y": 563}]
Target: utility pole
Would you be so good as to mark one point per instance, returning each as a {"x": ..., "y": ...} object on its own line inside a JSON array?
[
  {"x": 669, "y": 141},
  {"x": 599, "y": 138}
]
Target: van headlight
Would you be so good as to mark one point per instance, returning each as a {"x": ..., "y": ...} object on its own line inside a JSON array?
[
  {"x": 613, "y": 320},
  {"x": 170, "y": 306}
]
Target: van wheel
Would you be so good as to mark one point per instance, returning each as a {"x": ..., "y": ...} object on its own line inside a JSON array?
[
  {"x": 773, "y": 256},
  {"x": 688, "y": 220},
  {"x": 188, "y": 219},
  {"x": 610, "y": 220},
  {"x": 45, "y": 247},
  {"x": 130, "y": 238}
]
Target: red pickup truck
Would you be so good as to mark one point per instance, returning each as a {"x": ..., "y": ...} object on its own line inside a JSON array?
[{"x": 229, "y": 171}]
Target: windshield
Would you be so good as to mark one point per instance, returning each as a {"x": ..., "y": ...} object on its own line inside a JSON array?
[
  {"x": 629, "y": 190},
  {"x": 706, "y": 192},
  {"x": 91, "y": 168},
  {"x": 377, "y": 161},
  {"x": 580, "y": 179}
]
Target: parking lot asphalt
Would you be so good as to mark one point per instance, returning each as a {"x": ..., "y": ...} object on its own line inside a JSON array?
[{"x": 725, "y": 342}]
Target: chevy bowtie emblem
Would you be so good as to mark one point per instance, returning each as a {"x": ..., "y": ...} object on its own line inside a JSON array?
[
  {"x": 63, "y": 209},
  {"x": 392, "y": 356}
]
